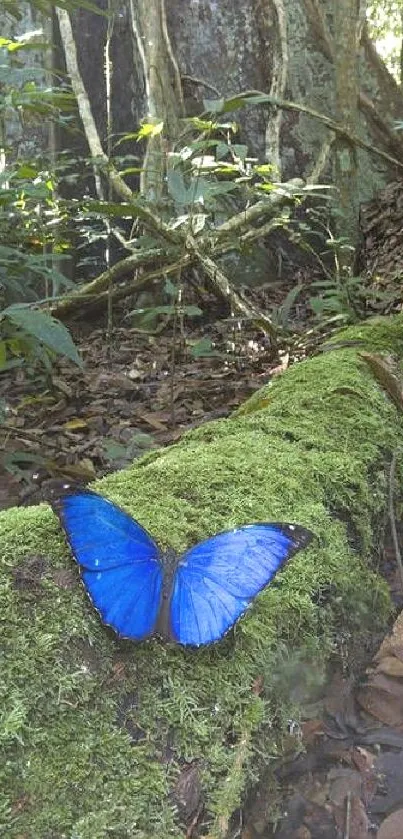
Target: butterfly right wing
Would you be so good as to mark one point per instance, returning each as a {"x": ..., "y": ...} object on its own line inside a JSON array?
[
  {"x": 216, "y": 580},
  {"x": 119, "y": 562}
]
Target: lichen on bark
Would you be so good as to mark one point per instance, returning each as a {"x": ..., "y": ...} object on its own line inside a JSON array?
[{"x": 94, "y": 732}]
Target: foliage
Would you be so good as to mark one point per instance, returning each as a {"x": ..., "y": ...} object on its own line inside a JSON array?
[
  {"x": 31, "y": 222},
  {"x": 13, "y": 7},
  {"x": 210, "y": 182},
  {"x": 385, "y": 24},
  {"x": 34, "y": 334}
]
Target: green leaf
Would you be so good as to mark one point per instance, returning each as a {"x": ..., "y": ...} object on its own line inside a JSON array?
[
  {"x": 204, "y": 349},
  {"x": 26, "y": 171},
  {"x": 202, "y": 124},
  {"x": 221, "y": 151},
  {"x": 241, "y": 151},
  {"x": 3, "y": 354},
  {"x": 170, "y": 289},
  {"x": 214, "y": 106},
  {"x": 177, "y": 188},
  {"x": 43, "y": 328},
  {"x": 149, "y": 129}
]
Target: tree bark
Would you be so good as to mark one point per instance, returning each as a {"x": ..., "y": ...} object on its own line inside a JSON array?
[{"x": 347, "y": 27}]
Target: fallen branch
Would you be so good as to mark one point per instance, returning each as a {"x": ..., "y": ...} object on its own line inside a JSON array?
[
  {"x": 92, "y": 293},
  {"x": 88, "y": 292},
  {"x": 221, "y": 285},
  {"x": 283, "y": 193}
]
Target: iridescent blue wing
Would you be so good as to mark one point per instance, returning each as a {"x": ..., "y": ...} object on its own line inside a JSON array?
[
  {"x": 119, "y": 562},
  {"x": 216, "y": 580}
]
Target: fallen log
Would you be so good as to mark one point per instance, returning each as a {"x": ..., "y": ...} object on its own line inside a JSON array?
[{"x": 100, "y": 737}]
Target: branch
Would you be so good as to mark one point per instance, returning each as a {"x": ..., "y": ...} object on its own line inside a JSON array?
[
  {"x": 321, "y": 161},
  {"x": 86, "y": 293},
  {"x": 330, "y": 123},
  {"x": 381, "y": 124},
  {"x": 140, "y": 282},
  {"x": 222, "y": 287},
  {"x": 281, "y": 195},
  {"x": 277, "y": 89},
  {"x": 325, "y": 41}
]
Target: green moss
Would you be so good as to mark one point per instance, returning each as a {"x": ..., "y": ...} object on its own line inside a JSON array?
[{"x": 94, "y": 732}]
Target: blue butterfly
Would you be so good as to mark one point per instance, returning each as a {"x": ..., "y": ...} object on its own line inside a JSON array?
[{"x": 140, "y": 592}]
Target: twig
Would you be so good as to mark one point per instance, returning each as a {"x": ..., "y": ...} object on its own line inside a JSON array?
[
  {"x": 392, "y": 518},
  {"x": 186, "y": 78},
  {"x": 21, "y": 433},
  {"x": 348, "y": 816}
]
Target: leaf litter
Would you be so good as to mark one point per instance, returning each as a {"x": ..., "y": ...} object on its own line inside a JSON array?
[{"x": 138, "y": 392}]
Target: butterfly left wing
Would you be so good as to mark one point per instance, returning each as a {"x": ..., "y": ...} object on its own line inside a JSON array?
[
  {"x": 216, "y": 580},
  {"x": 119, "y": 562}
]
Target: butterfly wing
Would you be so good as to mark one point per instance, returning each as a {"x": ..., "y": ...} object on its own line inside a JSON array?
[
  {"x": 217, "y": 579},
  {"x": 118, "y": 560}
]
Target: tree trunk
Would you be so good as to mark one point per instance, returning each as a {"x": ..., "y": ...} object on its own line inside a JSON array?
[
  {"x": 348, "y": 22},
  {"x": 163, "y": 89}
]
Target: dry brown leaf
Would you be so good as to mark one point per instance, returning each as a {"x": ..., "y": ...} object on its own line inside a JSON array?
[
  {"x": 382, "y": 697},
  {"x": 391, "y": 666},
  {"x": 351, "y": 817},
  {"x": 76, "y": 423},
  {"x": 393, "y": 643},
  {"x": 153, "y": 421},
  {"x": 384, "y": 372},
  {"x": 312, "y": 731},
  {"x": 358, "y": 820},
  {"x": 392, "y": 827},
  {"x": 343, "y": 782},
  {"x": 362, "y": 759},
  {"x": 302, "y": 833},
  {"x": 61, "y": 385}
]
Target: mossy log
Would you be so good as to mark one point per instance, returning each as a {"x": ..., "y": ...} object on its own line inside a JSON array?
[{"x": 98, "y": 736}]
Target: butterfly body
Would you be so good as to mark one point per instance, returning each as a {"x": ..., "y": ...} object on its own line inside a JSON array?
[{"x": 140, "y": 591}]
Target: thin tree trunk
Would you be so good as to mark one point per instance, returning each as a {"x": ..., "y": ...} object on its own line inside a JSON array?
[{"x": 347, "y": 27}]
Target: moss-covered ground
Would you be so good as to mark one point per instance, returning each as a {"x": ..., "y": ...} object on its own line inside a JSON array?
[{"x": 94, "y": 732}]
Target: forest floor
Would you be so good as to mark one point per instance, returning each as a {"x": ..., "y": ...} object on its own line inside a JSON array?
[{"x": 138, "y": 391}]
